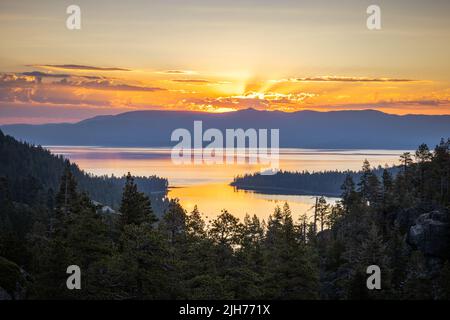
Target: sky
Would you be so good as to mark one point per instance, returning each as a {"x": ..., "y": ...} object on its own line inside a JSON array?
[{"x": 220, "y": 56}]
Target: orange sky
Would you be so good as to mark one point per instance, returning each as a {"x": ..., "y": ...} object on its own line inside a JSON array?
[{"x": 219, "y": 56}]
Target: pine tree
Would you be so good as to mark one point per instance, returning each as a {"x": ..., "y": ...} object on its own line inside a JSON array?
[
  {"x": 78, "y": 238},
  {"x": 349, "y": 195},
  {"x": 199, "y": 271},
  {"x": 441, "y": 172},
  {"x": 249, "y": 267},
  {"x": 141, "y": 269},
  {"x": 274, "y": 226},
  {"x": 89, "y": 248},
  {"x": 12, "y": 227},
  {"x": 418, "y": 284},
  {"x": 406, "y": 161},
  {"x": 302, "y": 228},
  {"x": 364, "y": 181},
  {"x": 173, "y": 222},
  {"x": 291, "y": 270},
  {"x": 195, "y": 225},
  {"x": 135, "y": 207},
  {"x": 225, "y": 229},
  {"x": 252, "y": 232},
  {"x": 423, "y": 156},
  {"x": 388, "y": 184},
  {"x": 374, "y": 196},
  {"x": 444, "y": 282},
  {"x": 55, "y": 257},
  {"x": 67, "y": 201},
  {"x": 323, "y": 211},
  {"x": 372, "y": 251}
]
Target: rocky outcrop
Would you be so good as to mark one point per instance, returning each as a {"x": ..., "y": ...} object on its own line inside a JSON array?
[
  {"x": 406, "y": 217},
  {"x": 12, "y": 281},
  {"x": 431, "y": 234}
]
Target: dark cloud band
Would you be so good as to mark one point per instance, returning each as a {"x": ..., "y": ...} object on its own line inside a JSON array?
[{"x": 78, "y": 67}]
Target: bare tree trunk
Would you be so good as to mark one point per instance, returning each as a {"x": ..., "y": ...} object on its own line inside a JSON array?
[{"x": 315, "y": 215}]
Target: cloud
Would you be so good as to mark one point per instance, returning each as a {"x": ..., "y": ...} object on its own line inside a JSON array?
[
  {"x": 258, "y": 100},
  {"x": 177, "y": 72},
  {"x": 42, "y": 94},
  {"x": 30, "y": 88},
  {"x": 343, "y": 79},
  {"x": 12, "y": 80},
  {"x": 28, "y": 79},
  {"x": 105, "y": 84},
  {"x": 194, "y": 81},
  {"x": 276, "y": 97},
  {"x": 78, "y": 67},
  {"x": 39, "y": 74},
  {"x": 200, "y": 82}
]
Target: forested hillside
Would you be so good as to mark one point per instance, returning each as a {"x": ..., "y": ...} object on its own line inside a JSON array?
[
  {"x": 327, "y": 183},
  {"x": 400, "y": 224},
  {"x": 34, "y": 174}
]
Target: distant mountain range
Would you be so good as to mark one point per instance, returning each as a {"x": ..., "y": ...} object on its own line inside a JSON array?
[{"x": 367, "y": 129}]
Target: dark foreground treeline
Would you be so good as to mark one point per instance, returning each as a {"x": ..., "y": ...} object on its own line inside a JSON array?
[
  {"x": 34, "y": 175},
  {"x": 400, "y": 224},
  {"x": 304, "y": 182}
]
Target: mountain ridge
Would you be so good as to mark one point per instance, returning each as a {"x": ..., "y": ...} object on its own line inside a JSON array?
[{"x": 354, "y": 129}]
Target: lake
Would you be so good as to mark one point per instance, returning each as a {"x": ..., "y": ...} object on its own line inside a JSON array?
[{"x": 207, "y": 186}]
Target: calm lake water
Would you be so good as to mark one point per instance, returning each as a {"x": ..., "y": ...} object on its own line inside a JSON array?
[{"x": 207, "y": 186}]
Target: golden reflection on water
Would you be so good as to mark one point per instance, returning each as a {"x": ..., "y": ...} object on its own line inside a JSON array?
[
  {"x": 207, "y": 186},
  {"x": 213, "y": 197}
]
